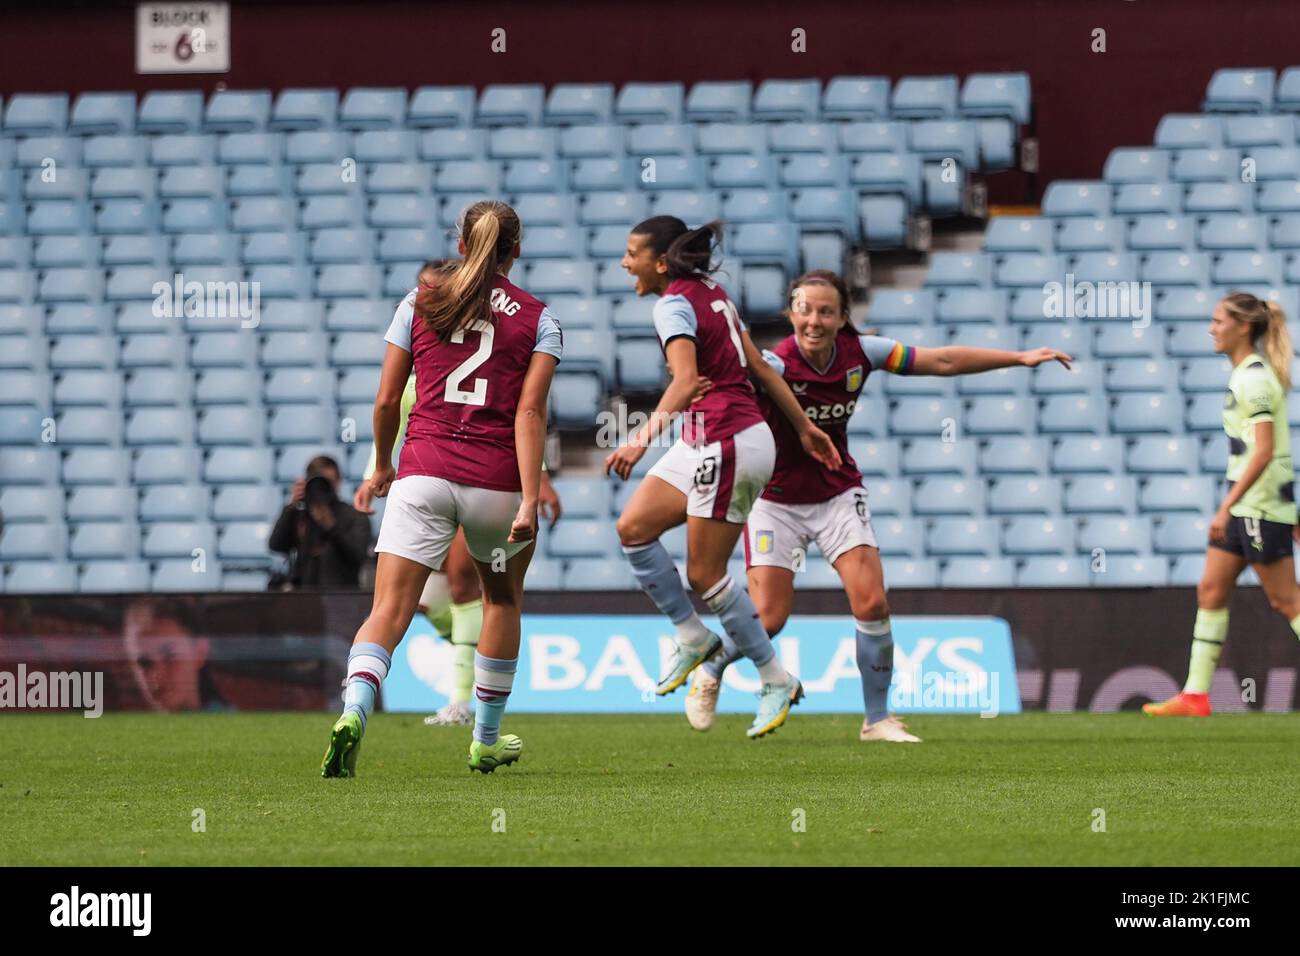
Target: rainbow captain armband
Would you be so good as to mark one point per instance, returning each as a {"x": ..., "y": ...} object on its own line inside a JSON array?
[{"x": 901, "y": 358}]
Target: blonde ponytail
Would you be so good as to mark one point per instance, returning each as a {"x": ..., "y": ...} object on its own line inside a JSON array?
[
  {"x": 490, "y": 231},
  {"x": 1277, "y": 344}
]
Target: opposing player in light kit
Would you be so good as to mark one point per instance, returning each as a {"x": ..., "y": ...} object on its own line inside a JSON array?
[
  {"x": 452, "y": 599},
  {"x": 1256, "y": 521},
  {"x": 711, "y": 476},
  {"x": 826, "y": 363},
  {"x": 484, "y": 351}
]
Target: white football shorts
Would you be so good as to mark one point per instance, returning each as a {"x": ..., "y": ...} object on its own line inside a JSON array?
[
  {"x": 423, "y": 513},
  {"x": 723, "y": 479},
  {"x": 777, "y": 535}
]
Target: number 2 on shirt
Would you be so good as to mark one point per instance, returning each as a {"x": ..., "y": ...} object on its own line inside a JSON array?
[
  {"x": 726, "y": 307},
  {"x": 478, "y": 394}
]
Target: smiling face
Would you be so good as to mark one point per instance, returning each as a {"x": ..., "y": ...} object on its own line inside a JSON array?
[
  {"x": 643, "y": 264},
  {"x": 817, "y": 316},
  {"x": 1229, "y": 334}
]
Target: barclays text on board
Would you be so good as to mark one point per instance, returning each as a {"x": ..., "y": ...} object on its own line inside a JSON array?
[{"x": 594, "y": 664}]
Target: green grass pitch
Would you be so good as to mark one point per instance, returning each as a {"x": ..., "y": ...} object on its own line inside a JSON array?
[{"x": 612, "y": 790}]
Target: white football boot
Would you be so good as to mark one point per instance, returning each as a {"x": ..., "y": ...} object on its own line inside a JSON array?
[{"x": 891, "y": 729}]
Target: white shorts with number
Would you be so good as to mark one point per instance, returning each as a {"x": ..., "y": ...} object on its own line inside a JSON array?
[
  {"x": 722, "y": 479},
  {"x": 777, "y": 535},
  {"x": 423, "y": 513}
]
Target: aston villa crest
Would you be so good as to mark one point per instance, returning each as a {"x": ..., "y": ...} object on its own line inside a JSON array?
[{"x": 853, "y": 378}]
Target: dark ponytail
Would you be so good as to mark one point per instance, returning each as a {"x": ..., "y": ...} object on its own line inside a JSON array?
[{"x": 688, "y": 253}]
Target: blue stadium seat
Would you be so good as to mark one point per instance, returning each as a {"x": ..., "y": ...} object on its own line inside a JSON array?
[
  {"x": 439, "y": 106},
  {"x": 1205, "y": 165},
  {"x": 1207, "y": 374},
  {"x": 1151, "y": 455},
  {"x": 1204, "y": 198},
  {"x": 231, "y": 425},
  {"x": 583, "y": 538},
  {"x": 1134, "y": 572},
  {"x": 1240, "y": 91},
  {"x": 372, "y": 108},
  {"x": 1029, "y": 495},
  {"x": 890, "y": 174},
  {"x": 594, "y": 174},
  {"x": 604, "y": 142},
  {"x": 1014, "y": 455},
  {"x": 114, "y": 577},
  {"x": 101, "y": 503},
  {"x": 1182, "y": 533},
  {"x": 79, "y": 319},
  {"x": 687, "y": 205},
  {"x": 978, "y": 573},
  {"x": 41, "y": 577},
  {"x": 1169, "y": 268},
  {"x": 1187, "y": 131},
  {"x": 673, "y": 172},
  {"x": 892, "y": 306},
  {"x": 900, "y": 537},
  {"x": 1090, "y": 235},
  {"x": 999, "y": 415},
  {"x": 875, "y": 459},
  {"x": 158, "y": 387},
  {"x": 36, "y": 114},
  {"x": 719, "y": 102},
  {"x": 1019, "y": 234},
  {"x": 742, "y": 172},
  {"x": 787, "y": 100},
  {"x": 649, "y": 103},
  {"x": 1278, "y": 196},
  {"x": 1101, "y": 494},
  {"x": 660, "y": 139},
  {"x": 181, "y": 502},
  {"x": 1114, "y": 534},
  {"x": 958, "y": 537},
  {"x": 178, "y": 539},
  {"x": 179, "y": 574},
  {"x": 1148, "y": 413},
  {"x": 570, "y": 104},
  {"x": 1034, "y": 536},
  {"x": 1028, "y": 269},
  {"x": 305, "y": 109},
  {"x": 930, "y": 457},
  {"x": 1054, "y": 573},
  {"x": 1230, "y": 232},
  {"x": 922, "y": 416},
  {"x": 922, "y": 573},
  {"x": 893, "y": 497},
  {"x": 997, "y": 94},
  {"x": 945, "y": 141},
  {"x": 104, "y": 540},
  {"x": 22, "y": 504},
  {"x": 245, "y": 542},
  {"x": 754, "y": 205},
  {"x": 1239, "y": 268},
  {"x": 115, "y": 151},
  {"x": 1077, "y": 198},
  {"x": 510, "y": 105},
  {"x": 159, "y": 426},
  {"x": 958, "y": 269},
  {"x": 924, "y": 97},
  {"x": 767, "y": 243},
  {"x": 598, "y": 574},
  {"x": 856, "y": 98},
  {"x": 948, "y": 496},
  {"x": 1286, "y": 95},
  {"x": 237, "y": 111},
  {"x": 1179, "y": 493},
  {"x": 1139, "y": 199},
  {"x": 575, "y": 399}
]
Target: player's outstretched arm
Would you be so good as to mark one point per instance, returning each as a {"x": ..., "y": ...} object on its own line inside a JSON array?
[
  {"x": 678, "y": 396},
  {"x": 530, "y": 439},
  {"x": 965, "y": 360},
  {"x": 388, "y": 403},
  {"x": 815, "y": 441}
]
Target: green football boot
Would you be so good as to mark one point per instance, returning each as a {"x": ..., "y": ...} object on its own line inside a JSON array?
[
  {"x": 345, "y": 743},
  {"x": 485, "y": 758}
]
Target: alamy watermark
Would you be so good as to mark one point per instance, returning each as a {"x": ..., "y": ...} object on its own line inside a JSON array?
[
  {"x": 616, "y": 427},
  {"x": 56, "y": 690},
  {"x": 945, "y": 690},
  {"x": 1098, "y": 300},
  {"x": 208, "y": 300}
]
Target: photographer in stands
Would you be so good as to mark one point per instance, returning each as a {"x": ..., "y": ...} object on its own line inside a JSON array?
[{"x": 326, "y": 539}]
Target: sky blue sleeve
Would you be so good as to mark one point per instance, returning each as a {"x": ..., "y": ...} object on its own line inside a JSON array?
[
  {"x": 775, "y": 361},
  {"x": 674, "y": 316},
  {"x": 888, "y": 355},
  {"x": 549, "y": 337},
  {"x": 399, "y": 330}
]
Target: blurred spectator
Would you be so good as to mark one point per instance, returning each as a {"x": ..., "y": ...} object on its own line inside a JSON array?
[{"x": 326, "y": 539}]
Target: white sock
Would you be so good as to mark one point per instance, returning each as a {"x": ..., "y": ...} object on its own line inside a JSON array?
[
  {"x": 692, "y": 633},
  {"x": 773, "y": 673}
]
